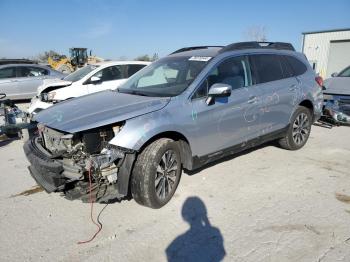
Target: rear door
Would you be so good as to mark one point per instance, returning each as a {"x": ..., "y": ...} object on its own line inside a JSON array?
[
  {"x": 278, "y": 86},
  {"x": 8, "y": 82},
  {"x": 29, "y": 79}
]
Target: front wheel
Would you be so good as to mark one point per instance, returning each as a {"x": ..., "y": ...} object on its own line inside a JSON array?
[
  {"x": 299, "y": 130},
  {"x": 156, "y": 173}
]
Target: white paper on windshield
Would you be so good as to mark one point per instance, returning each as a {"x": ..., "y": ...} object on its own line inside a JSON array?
[{"x": 200, "y": 58}]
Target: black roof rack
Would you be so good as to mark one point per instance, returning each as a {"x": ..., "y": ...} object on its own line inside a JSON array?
[
  {"x": 17, "y": 61},
  {"x": 258, "y": 45},
  {"x": 193, "y": 48}
]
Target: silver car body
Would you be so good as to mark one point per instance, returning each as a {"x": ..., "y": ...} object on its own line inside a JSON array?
[
  {"x": 213, "y": 101},
  {"x": 24, "y": 79},
  {"x": 337, "y": 98},
  {"x": 208, "y": 129}
]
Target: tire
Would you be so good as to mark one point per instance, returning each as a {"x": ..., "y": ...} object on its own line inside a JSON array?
[
  {"x": 298, "y": 131},
  {"x": 156, "y": 173}
]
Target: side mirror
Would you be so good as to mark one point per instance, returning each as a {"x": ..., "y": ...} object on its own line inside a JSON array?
[
  {"x": 334, "y": 74},
  {"x": 95, "y": 80},
  {"x": 218, "y": 90}
]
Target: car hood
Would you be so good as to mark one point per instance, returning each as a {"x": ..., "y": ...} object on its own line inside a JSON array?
[
  {"x": 56, "y": 83},
  {"x": 98, "y": 109},
  {"x": 337, "y": 85}
]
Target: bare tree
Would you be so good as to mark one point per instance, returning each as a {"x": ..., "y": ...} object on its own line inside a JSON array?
[
  {"x": 44, "y": 56},
  {"x": 256, "y": 33},
  {"x": 147, "y": 58}
]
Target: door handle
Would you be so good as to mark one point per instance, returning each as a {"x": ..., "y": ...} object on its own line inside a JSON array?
[
  {"x": 14, "y": 80},
  {"x": 252, "y": 100},
  {"x": 292, "y": 87}
]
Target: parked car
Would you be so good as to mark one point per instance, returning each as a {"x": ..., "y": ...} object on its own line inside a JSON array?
[
  {"x": 89, "y": 79},
  {"x": 183, "y": 111},
  {"x": 21, "y": 81},
  {"x": 337, "y": 98}
]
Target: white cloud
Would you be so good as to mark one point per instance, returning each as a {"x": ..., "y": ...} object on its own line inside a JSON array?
[{"x": 98, "y": 30}]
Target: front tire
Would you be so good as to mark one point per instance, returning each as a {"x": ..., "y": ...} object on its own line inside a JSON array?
[
  {"x": 156, "y": 173},
  {"x": 299, "y": 130}
]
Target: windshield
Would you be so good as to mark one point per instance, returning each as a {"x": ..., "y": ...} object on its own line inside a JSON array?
[
  {"x": 169, "y": 76},
  {"x": 77, "y": 75},
  {"x": 345, "y": 72}
]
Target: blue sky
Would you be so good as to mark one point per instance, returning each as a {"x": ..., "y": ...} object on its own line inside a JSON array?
[{"x": 128, "y": 28}]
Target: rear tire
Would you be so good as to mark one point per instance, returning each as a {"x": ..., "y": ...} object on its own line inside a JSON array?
[
  {"x": 156, "y": 173},
  {"x": 298, "y": 131}
]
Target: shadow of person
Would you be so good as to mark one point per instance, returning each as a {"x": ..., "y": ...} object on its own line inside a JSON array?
[{"x": 202, "y": 242}]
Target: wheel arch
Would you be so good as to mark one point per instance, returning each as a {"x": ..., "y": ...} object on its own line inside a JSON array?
[
  {"x": 184, "y": 145},
  {"x": 309, "y": 105}
]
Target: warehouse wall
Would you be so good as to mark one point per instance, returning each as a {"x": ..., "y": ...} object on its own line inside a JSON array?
[{"x": 316, "y": 47}]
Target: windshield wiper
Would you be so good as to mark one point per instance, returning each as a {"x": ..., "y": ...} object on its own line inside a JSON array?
[{"x": 132, "y": 92}]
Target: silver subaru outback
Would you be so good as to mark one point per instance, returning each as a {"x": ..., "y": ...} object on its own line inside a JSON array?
[{"x": 183, "y": 111}]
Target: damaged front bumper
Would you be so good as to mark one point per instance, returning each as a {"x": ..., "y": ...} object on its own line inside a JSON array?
[
  {"x": 61, "y": 175},
  {"x": 336, "y": 109}
]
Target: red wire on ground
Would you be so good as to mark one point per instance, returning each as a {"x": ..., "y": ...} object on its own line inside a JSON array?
[{"x": 99, "y": 225}]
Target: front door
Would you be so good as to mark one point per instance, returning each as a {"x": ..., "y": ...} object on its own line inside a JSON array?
[
  {"x": 228, "y": 121},
  {"x": 110, "y": 78},
  {"x": 29, "y": 79},
  {"x": 8, "y": 82}
]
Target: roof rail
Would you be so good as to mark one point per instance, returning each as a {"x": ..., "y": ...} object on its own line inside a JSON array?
[
  {"x": 193, "y": 48},
  {"x": 258, "y": 45},
  {"x": 17, "y": 61}
]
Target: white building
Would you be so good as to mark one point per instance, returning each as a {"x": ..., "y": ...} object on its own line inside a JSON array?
[{"x": 327, "y": 51}]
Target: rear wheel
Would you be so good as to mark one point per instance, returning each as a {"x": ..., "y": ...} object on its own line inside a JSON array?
[
  {"x": 156, "y": 173},
  {"x": 299, "y": 129}
]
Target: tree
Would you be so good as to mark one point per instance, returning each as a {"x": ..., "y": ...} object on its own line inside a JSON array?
[
  {"x": 256, "y": 33},
  {"x": 44, "y": 56},
  {"x": 143, "y": 58},
  {"x": 155, "y": 57},
  {"x": 147, "y": 58}
]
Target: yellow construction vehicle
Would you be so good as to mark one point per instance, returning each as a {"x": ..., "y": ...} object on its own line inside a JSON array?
[{"x": 78, "y": 58}]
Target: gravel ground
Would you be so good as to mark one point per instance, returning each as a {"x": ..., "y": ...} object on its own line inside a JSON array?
[{"x": 266, "y": 205}]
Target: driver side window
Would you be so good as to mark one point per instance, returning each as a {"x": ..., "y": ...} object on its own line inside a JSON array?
[
  {"x": 233, "y": 71},
  {"x": 110, "y": 73}
]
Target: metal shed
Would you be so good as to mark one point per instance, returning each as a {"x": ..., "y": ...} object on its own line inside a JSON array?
[{"x": 328, "y": 51}]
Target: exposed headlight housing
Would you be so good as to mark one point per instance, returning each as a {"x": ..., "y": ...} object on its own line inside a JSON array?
[
  {"x": 48, "y": 97},
  {"x": 51, "y": 96},
  {"x": 44, "y": 97}
]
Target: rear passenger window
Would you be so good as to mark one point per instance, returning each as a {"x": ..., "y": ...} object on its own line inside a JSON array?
[
  {"x": 266, "y": 68},
  {"x": 287, "y": 69},
  {"x": 132, "y": 69},
  {"x": 8, "y": 72},
  {"x": 298, "y": 67}
]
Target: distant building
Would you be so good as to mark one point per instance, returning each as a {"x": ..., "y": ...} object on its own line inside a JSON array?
[{"x": 327, "y": 51}]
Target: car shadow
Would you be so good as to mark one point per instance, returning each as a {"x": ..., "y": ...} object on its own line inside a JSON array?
[
  {"x": 230, "y": 157},
  {"x": 202, "y": 242},
  {"x": 8, "y": 140}
]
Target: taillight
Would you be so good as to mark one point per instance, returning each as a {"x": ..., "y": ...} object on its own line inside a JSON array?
[{"x": 319, "y": 81}]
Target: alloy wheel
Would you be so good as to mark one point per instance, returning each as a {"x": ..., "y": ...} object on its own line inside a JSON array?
[
  {"x": 301, "y": 129},
  {"x": 166, "y": 174}
]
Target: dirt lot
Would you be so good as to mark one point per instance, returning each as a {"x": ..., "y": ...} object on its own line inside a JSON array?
[{"x": 267, "y": 205}]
